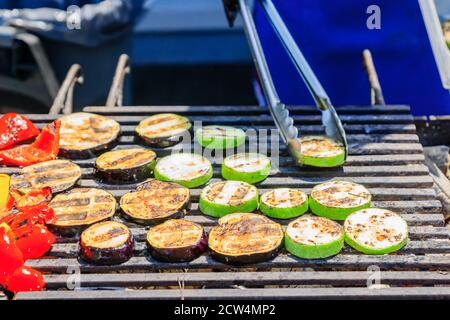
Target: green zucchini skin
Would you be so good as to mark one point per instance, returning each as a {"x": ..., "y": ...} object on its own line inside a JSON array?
[
  {"x": 220, "y": 142},
  {"x": 339, "y": 214},
  {"x": 191, "y": 183},
  {"x": 330, "y": 162},
  {"x": 283, "y": 213},
  {"x": 229, "y": 173},
  {"x": 315, "y": 161},
  {"x": 218, "y": 210},
  {"x": 371, "y": 251}
]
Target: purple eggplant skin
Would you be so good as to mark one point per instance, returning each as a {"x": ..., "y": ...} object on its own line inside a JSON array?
[
  {"x": 247, "y": 259},
  {"x": 69, "y": 231},
  {"x": 185, "y": 254},
  {"x": 89, "y": 153},
  {"x": 108, "y": 256},
  {"x": 126, "y": 176}
]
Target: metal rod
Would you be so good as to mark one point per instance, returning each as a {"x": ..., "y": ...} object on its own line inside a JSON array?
[
  {"x": 376, "y": 92},
  {"x": 115, "y": 96},
  {"x": 63, "y": 100}
]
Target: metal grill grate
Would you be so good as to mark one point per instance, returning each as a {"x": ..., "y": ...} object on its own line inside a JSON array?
[{"x": 385, "y": 156}]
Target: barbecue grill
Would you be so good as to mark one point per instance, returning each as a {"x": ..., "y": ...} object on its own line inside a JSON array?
[{"x": 384, "y": 155}]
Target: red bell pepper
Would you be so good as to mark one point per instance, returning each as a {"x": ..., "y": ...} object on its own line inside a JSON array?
[
  {"x": 11, "y": 256},
  {"x": 19, "y": 222},
  {"x": 14, "y": 129},
  {"x": 44, "y": 148},
  {"x": 25, "y": 279},
  {"x": 36, "y": 242},
  {"x": 31, "y": 198}
]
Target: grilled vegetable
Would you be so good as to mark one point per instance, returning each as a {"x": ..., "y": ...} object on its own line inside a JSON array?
[
  {"x": 155, "y": 201},
  {"x": 311, "y": 237},
  {"x": 189, "y": 170},
  {"x": 125, "y": 166},
  {"x": 84, "y": 135},
  {"x": 337, "y": 199},
  {"x": 14, "y": 129},
  {"x": 220, "y": 137},
  {"x": 321, "y": 151},
  {"x": 248, "y": 167},
  {"x": 284, "y": 203},
  {"x": 224, "y": 197},
  {"x": 81, "y": 207},
  {"x": 107, "y": 242},
  {"x": 59, "y": 175},
  {"x": 177, "y": 241},
  {"x": 245, "y": 238},
  {"x": 163, "y": 130},
  {"x": 375, "y": 231}
]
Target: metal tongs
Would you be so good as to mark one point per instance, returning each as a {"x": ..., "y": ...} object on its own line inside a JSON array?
[{"x": 284, "y": 123}]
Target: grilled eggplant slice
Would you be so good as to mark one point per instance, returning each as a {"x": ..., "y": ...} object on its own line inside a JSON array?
[
  {"x": 311, "y": 237},
  {"x": 125, "y": 166},
  {"x": 155, "y": 201},
  {"x": 321, "y": 151},
  {"x": 106, "y": 243},
  {"x": 177, "y": 241},
  {"x": 284, "y": 203},
  {"x": 241, "y": 238},
  {"x": 85, "y": 135},
  {"x": 375, "y": 231},
  {"x": 220, "y": 137},
  {"x": 188, "y": 169},
  {"x": 225, "y": 197},
  {"x": 59, "y": 175},
  {"x": 79, "y": 208},
  {"x": 248, "y": 167},
  {"x": 337, "y": 199},
  {"x": 163, "y": 130}
]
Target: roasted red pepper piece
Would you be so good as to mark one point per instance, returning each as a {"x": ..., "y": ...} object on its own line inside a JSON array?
[
  {"x": 18, "y": 222},
  {"x": 44, "y": 148},
  {"x": 31, "y": 198},
  {"x": 11, "y": 256},
  {"x": 25, "y": 279},
  {"x": 14, "y": 129},
  {"x": 36, "y": 242}
]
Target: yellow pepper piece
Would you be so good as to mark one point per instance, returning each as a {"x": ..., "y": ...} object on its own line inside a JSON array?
[{"x": 4, "y": 190}]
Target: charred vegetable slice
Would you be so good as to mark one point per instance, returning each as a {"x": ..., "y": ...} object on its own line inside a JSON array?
[
  {"x": 155, "y": 201},
  {"x": 126, "y": 166},
  {"x": 248, "y": 167},
  {"x": 220, "y": 137},
  {"x": 59, "y": 175},
  {"x": 81, "y": 207},
  {"x": 163, "y": 130},
  {"x": 84, "y": 135},
  {"x": 245, "y": 238},
  {"x": 177, "y": 241},
  {"x": 284, "y": 203},
  {"x": 321, "y": 151},
  {"x": 376, "y": 231},
  {"x": 224, "y": 197},
  {"x": 337, "y": 199},
  {"x": 311, "y": 237},
  {"x": 106, "y": 243},
  {"x": 187, "y": 169}
]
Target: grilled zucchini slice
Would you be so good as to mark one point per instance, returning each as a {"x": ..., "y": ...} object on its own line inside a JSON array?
[
  {"x": 375, "y": 231},
  {"x": 79, "y": 208},
  {"x": 220, "y": 137},
  {"x": 163, "y": 130},
  {"x": 106, "y": 243},
  {"x": 155, "y": 201},
  {"x": 85, "y": 135},
  {"x": 311, "y": 237},
  {"x": 247, "y": 167},
  {"x": 337, "y": 199},
  {"x": 283, "y": 203},
  {"x": 177, "y": 241},
  {"x": 125, "y": 166},
  {"x": 188, "y": 169},
  {"x": 59, "y": 175},
  {"x": 241, "y": 238},
  {"x": 319, "y": 151},
  {"x": 225, "y": 197}
]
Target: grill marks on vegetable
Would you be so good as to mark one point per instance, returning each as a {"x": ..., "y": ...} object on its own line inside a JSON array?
[
  {"x": 341, "y": 194},
  {"x": 319, "y": 147},
  {"x": 312, "y": 230},
  {"x": 284, "y": 198},
  {"x": 60, "y": 175},
  {"x": 163, "y": 126},
  {"x": 175, "y": 234},
  {"x": 231, "y": 193}
]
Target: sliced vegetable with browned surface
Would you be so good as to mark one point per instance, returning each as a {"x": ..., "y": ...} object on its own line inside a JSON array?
[
  {"x": 84, "y": 135},
  {"x": 177, "y": 241},
  {"x": 59, "y": 175},
  {"x": 241, "y": 238},
  {"x": 220, "y": 137},
  {"x": 125, "y": 166},
  {"x": 79, "y": 208},
  {"x": 321, "y": 151},
  {"x": 248, "y": 167},
  {"x": 337, "y": 199},
  {"x": 155, "y": 201},
  {"x": 106, "y": 243}
]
